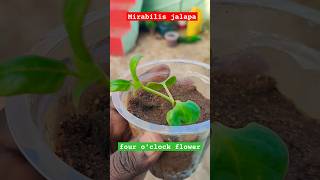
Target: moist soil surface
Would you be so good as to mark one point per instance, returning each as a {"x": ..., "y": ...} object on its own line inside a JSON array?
[
  {"x": 153, "y": 108},
  {"x": 240, "y": 99}
]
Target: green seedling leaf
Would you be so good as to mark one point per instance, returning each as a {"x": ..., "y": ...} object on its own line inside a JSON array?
[
  {"x": 158, "y": 86},
  {"x": 155, "y": 86},
  {"x": 252, "y": 152},
  {"x": 184, "y": 113},
  {"x": 89, "y": 72},
  {"x": 32, "y": 74},
  {"x": 171, "y": 81},
  {"x": 133, "y": 69},
  {"x": 120, "y": 85},
  {"x": 74, "y": 14}
]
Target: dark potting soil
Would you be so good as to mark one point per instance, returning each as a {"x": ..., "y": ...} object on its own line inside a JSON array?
[
  {"x": 153, "y": 108},
  {"x": 82, "y": 139},
  {"x": 240, "y": 99}
]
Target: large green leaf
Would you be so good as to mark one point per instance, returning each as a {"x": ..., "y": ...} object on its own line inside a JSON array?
[
  {"x": 31, "y": 74},
  {"x": 250, "y": 153},
  {"x": 183, "y": 113}
]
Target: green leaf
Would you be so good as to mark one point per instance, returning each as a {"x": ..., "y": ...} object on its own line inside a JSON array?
[
  {"x": 250, "y": 153},
  {"x": 158, "y": 86},
  {"x": 32, "y": 74},
  {"x": 74, "y": 14},
  {"x": 170, "y": 81},
  {"x": 189, "y": 39},
  {"x": 89, "y": 73},
  {"x": 133, "y": 69},
  {"x": 155, "y": 86},
  {"x": 184, "y": 113},
  {"x": 120, "y": 85}
]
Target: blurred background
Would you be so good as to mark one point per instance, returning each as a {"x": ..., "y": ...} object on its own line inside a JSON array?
[{"x": 24, "y": 23}]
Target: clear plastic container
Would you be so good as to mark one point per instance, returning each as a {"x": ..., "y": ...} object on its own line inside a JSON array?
[{"x": 173, "y": 165}]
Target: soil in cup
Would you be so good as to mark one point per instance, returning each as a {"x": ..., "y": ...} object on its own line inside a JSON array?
[
  {"x": 153, "y": 109},
  {"x": 82, "y": 138}
]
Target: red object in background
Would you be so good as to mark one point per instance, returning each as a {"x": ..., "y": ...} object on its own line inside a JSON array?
[{"x": 119, "y": 25}]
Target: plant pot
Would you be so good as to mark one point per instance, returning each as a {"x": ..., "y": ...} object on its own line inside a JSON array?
[
  {"x": 172, "y": 38},
  {"x": 168, "y": 167},
  {"x": 33, "y": 119}
]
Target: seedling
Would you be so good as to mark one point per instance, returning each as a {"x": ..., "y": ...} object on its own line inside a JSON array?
[{"x": 182, "y": 113}]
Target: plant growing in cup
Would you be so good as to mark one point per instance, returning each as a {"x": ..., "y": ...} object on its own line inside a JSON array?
[
  {"x": 182, "y": 113},
  {"x": 175, "y": 106}
]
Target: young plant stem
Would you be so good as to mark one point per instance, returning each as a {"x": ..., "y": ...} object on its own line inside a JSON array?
[
  {"x": 168, "y": 92},
  {"x": 158, "y": 94}
]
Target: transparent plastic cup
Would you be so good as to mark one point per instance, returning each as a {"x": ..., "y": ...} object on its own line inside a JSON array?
[{"x": 173, "y": 165}]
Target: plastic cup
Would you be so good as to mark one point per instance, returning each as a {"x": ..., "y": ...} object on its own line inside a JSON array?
[
  {"x": 172, "y": 38},
  {"x": 170, "y": 165}
]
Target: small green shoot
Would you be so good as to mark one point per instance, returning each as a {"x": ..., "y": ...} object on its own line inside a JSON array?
[{"x": 182, "y": 113}]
